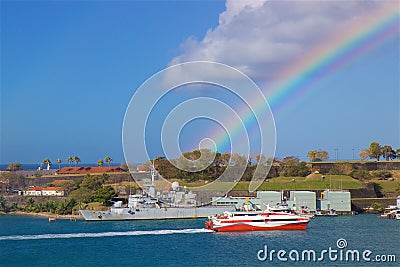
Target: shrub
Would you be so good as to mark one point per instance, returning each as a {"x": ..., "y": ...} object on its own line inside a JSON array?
[
  {"x": 361, "y": 175},
  {"x": 14, "y": 166},
  {"x": 341, "y": 169},
  {"x": 295, "y": 169},
  {"x": 381, "y": 174},
  {"x": 376, "y": 206}
]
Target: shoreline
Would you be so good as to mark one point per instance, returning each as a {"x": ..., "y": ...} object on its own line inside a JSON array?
[{"x": 43, "y": 214}]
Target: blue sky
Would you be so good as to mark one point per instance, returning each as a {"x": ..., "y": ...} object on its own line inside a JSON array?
[{"x": 69, "y": 69}]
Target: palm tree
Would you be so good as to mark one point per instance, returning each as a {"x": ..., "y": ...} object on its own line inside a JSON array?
[
  {"x": 108, "y": 160},
  {"x": 100, "y": 162},
  {"x": 59, "y": 162},
  {"x": 77, "y": 160},
  {"x": 69, "y": 160},
  {"x": 47, "y": 162},
  {"x": 386, "y": 150},
  {"x": 312, "y": 154}
]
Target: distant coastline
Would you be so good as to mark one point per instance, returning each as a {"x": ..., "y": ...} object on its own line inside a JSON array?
[{"x": 34, "y": 166}]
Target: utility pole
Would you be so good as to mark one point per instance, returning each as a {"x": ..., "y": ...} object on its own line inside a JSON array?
[
  {"x": 353, "y": 153},
  {"x": 336, "y": 154}
]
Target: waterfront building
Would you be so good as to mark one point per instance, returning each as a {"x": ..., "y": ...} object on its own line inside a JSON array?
[
  {"x": 339, "y": 200},
  {"x": 239, "y": 202},
  {"x": 271, "y": 198},
  {"x": 300, "y": 200}
]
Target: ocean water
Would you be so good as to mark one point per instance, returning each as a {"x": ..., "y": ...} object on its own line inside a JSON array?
[
  {"x": 33, "y": 241},
  {"x": 54, "y": 166}
]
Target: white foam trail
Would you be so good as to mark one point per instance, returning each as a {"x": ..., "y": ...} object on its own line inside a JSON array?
[{"x": 105, "y": 234}]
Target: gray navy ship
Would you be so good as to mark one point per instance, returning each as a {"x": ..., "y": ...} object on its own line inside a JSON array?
[{"x": 172, "y": 204}]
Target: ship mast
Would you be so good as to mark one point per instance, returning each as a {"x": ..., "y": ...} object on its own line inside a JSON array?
[{"x": 151, "y": 187}]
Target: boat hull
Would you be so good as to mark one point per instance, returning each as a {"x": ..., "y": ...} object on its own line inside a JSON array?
[
  {"x": 243, "y": 227},
  {"x": 256, "y": 221},
  {"x": 122, "y": 214}
]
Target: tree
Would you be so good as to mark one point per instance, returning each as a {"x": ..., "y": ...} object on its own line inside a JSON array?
[
  {"x": 375, "y": 151},
  {"x": 388, "y": 153},
  {"x": 364, "y": 154},
  {"x": 392, "y": 155},
  {"x": 398, "y": 153},
  {"x": 59, "y": 163},
  {"x": 30, "y": 203},
  {"x": 108, "y": 160},
  {"x": 104, "y": 194},
  {"x": 91, "y": 182},
  {"x": 68, "y": 186},
  {"x": 312, "y": 154},
  {"x": 196, "y": 160},
  {"x": 238, "y": 160},
  {"x": 77, "y": 160},
  {"x": 70, "y": 160},
  {"x": 291, "y": 166},
  {"x": 83, "y": 195},
  {"x": 100, "y": 162},
  {"x": 225, "y": 157},
  {"x": 47, "y": 162},
  {"x": 318, "y": 155},
  {"x": 322, "y": 155},
  {"x": 260, "y": 158},
  {"x": 14, "y": 166}
]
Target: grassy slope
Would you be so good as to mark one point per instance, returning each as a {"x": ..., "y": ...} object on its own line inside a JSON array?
[
  {"x": 312, "y": 182},
  {"x": 388, "y": 186}
]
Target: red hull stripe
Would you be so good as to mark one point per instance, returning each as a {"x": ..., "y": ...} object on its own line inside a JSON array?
[{"x": 247, "y": 227}]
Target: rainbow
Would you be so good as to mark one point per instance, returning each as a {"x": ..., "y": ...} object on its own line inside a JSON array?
[{"x": 344, "y": 46}]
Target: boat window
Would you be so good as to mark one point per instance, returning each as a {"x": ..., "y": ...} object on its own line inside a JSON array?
[{"x": 246, "y": 214}]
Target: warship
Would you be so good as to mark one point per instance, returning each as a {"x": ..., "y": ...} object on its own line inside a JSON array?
[{"x": 171, "y": 204}]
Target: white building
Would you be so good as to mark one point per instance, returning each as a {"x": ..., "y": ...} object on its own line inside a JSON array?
[
  {"x": 48, "y": 191},
  {"x": 52, "y": 191},
  {"x": 33, "y": 191}
]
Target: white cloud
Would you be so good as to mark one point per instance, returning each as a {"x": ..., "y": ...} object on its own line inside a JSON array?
[{"x": 262, "y": 37}]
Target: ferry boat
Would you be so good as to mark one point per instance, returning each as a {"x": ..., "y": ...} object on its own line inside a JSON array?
[{"x": 256, "y": 221}]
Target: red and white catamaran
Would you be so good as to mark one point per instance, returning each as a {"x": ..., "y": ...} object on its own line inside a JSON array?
[{"x": 241, "y": 221}]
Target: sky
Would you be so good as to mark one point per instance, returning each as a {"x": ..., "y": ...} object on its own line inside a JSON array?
[{"x": 329, "y": 71}]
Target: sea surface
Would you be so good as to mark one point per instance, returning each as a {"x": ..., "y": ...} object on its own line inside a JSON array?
[{"x": 34, "y": 241}]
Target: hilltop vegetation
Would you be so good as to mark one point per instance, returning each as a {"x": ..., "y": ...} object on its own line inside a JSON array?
[
  {"x": 90, "y": 189},
  {"x": 289, "y": 166},
  {"x": 200, "y": 167}
]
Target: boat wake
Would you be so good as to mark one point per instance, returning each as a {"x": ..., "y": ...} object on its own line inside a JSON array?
[{"x": 105, "y": 234}]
